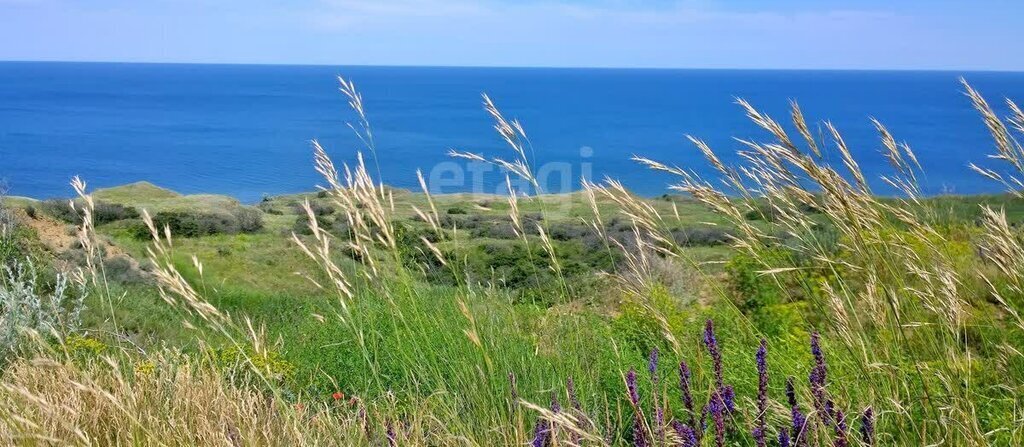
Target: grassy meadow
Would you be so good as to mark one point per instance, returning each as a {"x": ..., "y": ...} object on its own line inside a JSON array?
[{"x": 780, "y": 303}]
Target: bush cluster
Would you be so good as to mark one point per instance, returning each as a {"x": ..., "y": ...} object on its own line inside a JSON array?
[
  {"x": 198, "y": 224},
  {"x": 104, "y": 212},
  {"x": 28, "y": 303},
  {"x": 11, "y": 234}
]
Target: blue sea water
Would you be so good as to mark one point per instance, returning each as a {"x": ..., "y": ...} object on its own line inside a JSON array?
[{"x": 244, "y": 130}]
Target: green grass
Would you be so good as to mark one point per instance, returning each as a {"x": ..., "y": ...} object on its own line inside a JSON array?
[{"x": 417, "y": 333}]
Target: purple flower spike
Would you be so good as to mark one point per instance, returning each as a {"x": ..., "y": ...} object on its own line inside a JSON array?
[
  {"x": 639, "y": 434},
  {"x": 758, "y": 433},
  {"x": 819, "y": 357},
  {"x": 717, "y": 409},
  {"x": 704, "y": 418},
  {"x": 392, "y": 438},
  {"x": 799, "y": 420},
  {"x": 840, "y": 428},
  {"x": 634, "y": 395},
  {"x": 783, "y": 437},
  {"x": 867, "y": 427},
  {"x": 716, "y": 356},
  {"x": 818, "y": 379},
  {"x": 729, "y": 398},
  {"x": 762, "y": 393},
  {"x": 799, "y": 428},
  {"x": 570, "y": 387},
  {"x": 684, "y": 387},
  {"x": 790, "y": 392},
  {"x": 659, "y": 424},
  {"x": 541, "y": 433},
  {"x": 685, "y": 433},
  {"x": 652, "y": 364}
]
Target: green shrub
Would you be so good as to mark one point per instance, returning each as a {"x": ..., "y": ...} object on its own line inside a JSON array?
[
  {"x": 701, "y": 236},
  {"x": 61, "y": 210},
  {"x": 749, "y": 290},
  {"x": 318, "y": 209},
  {"x": 301, "y": 225},
  {"x": 247, "y": 366},
  {"x": 28, "y": 303},
  {"x": 104, "y": 212},
  {"x": 83, "y": 347},
  {"x": 198, "y": 224},
  {"x": 250, "y": 220},
  {"x": 269, "y": 208},
  {"x": 11, "y": 234},
  {"x": 123, "y": 269}
]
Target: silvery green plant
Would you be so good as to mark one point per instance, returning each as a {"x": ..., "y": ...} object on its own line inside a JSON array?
[
  {"x": 26, "y": 309},
  {"x": 7, "y": 226}
]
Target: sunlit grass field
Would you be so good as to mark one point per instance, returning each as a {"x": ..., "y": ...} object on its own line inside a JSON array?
[{"x": 782, "y": 303}]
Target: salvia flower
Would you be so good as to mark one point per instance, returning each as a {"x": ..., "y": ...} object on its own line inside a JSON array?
[
  {"x": 717, "y": 409},
  {"x": 761, "y": 358},
  {"x": 712, "y": 345},
  {"x": 684, "y": 387},
  {"x": 830, "y": 410},
  {"x": 799, "y": 421},
  {"x": 392, "y": 438},
  {"x": 783, "y": 437},
  {"x": 762, "y": 392},
  {"x": 687, "y": 437},
  {"x": 867, "y": 427},
  {"x": 639, "y": 433},
  {"x": 790, "y": 392},
  {"x": 634, "y": 395},
  {"x": 541, "y": 433},
  {"x": 570, "y": 387},
  {"x": 659, "y": 412},
  {"x": 840, "y": 427},
  {"x": 729, "y": 398},
  {"x": 704, "y": 418},
  {"x": 758, "y": 433},
  {"x": 652, "y": 364},
  {"x": 818, "y": 378},
  {"x": 819, "y": 356}
]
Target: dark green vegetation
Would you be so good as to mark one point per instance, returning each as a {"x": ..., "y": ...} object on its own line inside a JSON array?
[
  {"x": 592, "y": 331},
  {"x": 471, "y": 325}
]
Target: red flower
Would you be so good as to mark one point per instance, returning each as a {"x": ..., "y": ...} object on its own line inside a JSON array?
[{"x": 338, "y": 395}]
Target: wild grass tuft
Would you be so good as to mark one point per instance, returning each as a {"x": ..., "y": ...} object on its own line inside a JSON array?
[{"x": 838, "y": 318}]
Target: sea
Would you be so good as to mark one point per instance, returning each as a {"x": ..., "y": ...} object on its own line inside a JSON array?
[{"x": 245, "y": 130}]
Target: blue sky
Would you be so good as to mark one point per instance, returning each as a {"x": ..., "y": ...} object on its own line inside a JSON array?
[{"x": 866, "y": 34}]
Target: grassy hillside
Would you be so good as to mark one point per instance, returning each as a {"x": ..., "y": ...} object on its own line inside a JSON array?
[{"x": 803, "y": 311}]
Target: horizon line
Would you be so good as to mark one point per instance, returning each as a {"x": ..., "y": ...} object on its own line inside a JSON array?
[{"x": 527, "y": 67}]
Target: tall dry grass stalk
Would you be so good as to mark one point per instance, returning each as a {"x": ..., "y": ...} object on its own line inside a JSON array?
[
  {"x": 173, "y": 399},
  {"x": 892, "y": 289},
  {"x": 889, "y": 285}
]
